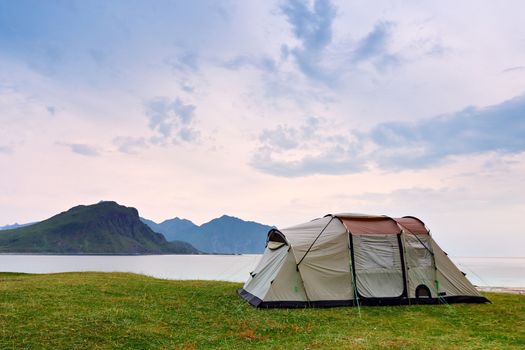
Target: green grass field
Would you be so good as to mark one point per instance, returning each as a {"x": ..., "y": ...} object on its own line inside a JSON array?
[{"x": 126, "y": 311}]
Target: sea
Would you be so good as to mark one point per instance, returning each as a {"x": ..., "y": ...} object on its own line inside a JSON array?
[{"x": 482, "y": 272}]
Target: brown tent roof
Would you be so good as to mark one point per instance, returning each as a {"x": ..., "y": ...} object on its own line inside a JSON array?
[
  {"x": 380, "y": 224},
  {"x": 413, "y": 225}
]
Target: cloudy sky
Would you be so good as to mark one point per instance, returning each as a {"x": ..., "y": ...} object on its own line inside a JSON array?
[{"x": 273, "y": 111}]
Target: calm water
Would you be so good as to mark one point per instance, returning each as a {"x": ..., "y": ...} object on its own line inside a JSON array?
[{"x": 493, "y": 272}]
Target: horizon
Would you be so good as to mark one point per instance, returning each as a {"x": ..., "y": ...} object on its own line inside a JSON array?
[
  {"x": 276, "y": 112},
  {"x": 247, "y": 220}
]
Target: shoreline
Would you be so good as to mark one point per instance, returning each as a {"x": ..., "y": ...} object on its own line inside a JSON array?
[
  {"x": 113, "y": 254},
  {"x": 511, "y": 290}
]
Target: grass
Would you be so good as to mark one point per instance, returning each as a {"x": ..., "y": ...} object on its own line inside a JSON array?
[{"x": 126, "y": 311}]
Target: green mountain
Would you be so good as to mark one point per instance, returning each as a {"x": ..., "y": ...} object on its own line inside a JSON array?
[
  {"x": 227, "y": 234},
  {"x": 103, "y": 228}
]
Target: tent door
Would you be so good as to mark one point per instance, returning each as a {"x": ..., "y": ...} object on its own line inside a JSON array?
[{"x": 378, "y": 267}]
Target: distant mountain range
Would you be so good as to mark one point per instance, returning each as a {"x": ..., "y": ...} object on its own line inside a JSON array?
[
  {"x": 110, "y": 228},
  {"x": 103, "y": 228},
  {"x": 169, "y": 228},
  {"x": 227, "y": 234}
]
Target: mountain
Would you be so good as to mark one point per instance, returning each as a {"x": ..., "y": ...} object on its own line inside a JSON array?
[
  {"x": 227, "y": 234},
  {"x": 169, "y": 227},
  {"x": 103, "y": 228}
]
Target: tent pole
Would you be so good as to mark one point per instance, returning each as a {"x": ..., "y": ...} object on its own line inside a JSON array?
[
  {"x": 352, "y": 265},
  {"x": 315, "y": 240},
  {"x": 404, "y": 265}
]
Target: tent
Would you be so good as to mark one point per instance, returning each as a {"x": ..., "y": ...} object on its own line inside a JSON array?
[{"x": 355, "y": 259}]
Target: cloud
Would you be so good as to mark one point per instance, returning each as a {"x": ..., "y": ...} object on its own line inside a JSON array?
[
  {"x": 282, "y": 137},
  {"x": 186, "y": 61},
  {"x": 514, "y": 69},
  {"x": 374, "y": 46},
  {"x": 263, "y": 63},
  {"x": 498, "y": 128},
  {"x": 315, "y": 148},
  {"x": 51, "y": 110},
  {"x": 83, "y": 149},
  {"x": 6, "y": 150},
  {"x": 313, "y": 28},
  {"x": 130, "y": 145},
  {"x": 317, "y": 57},
  {"x": 466, "y": 197},
  {"x": 332, "y": 161},
  {"x": 309, "y": 149},
  {"x": 186, "y": 87},
  {"x": 171, "y": 120}
]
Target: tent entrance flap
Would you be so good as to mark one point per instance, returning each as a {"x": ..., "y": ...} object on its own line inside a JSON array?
[{"x": 378, "y": 267}]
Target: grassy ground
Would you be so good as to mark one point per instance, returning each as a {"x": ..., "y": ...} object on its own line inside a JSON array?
[{"x": 126, "y": 311}]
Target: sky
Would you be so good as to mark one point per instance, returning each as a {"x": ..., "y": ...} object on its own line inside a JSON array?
[{"x": 273, "y": 111}]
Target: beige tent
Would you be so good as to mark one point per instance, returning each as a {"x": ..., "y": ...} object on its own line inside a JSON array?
[{"x": 355, "y": 259}]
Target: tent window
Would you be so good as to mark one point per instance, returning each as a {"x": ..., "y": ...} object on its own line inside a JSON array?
[
  {"x": 377, "y": 253},
  {"x": 276, "y": 236},
  {"x": 419, "y": 255}
]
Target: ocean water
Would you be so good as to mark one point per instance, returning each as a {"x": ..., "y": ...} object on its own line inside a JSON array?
[
  {"x": 493, "y": 272},
  {"x": 486, "y": 272},
  {"x": 233, "y": 268}
]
